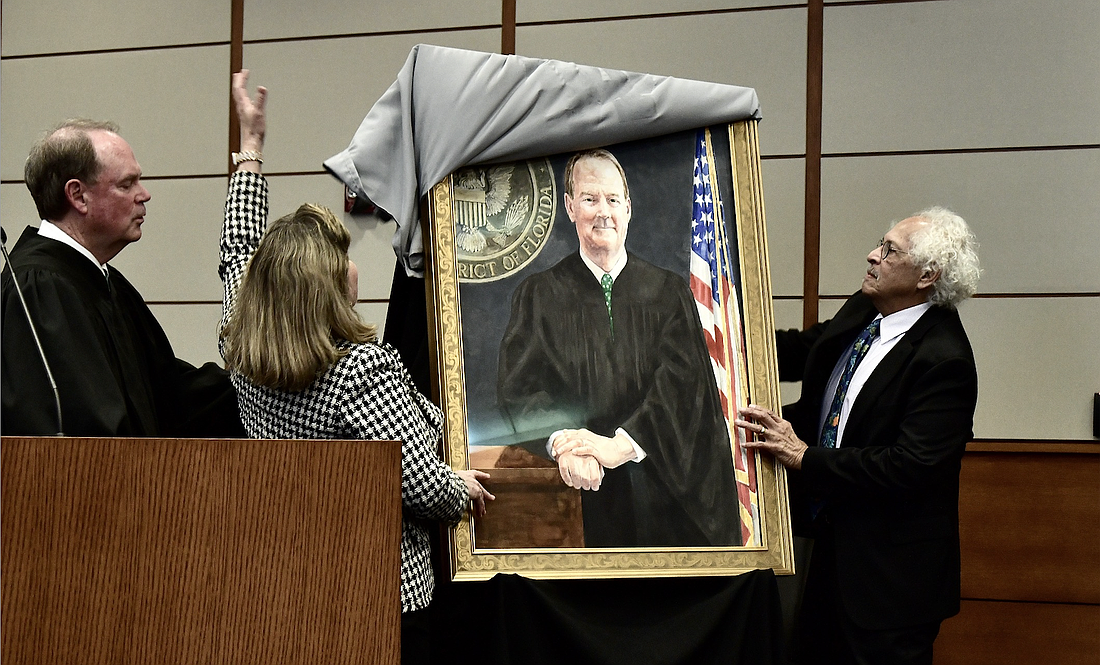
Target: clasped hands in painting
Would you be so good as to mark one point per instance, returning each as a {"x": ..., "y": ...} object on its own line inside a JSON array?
[{"x": 583, "y": 455}]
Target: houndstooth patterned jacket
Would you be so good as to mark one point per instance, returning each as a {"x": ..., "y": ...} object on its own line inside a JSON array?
[{"x": 367, "y": 394}]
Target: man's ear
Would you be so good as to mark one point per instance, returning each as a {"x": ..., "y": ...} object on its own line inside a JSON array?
[
  {"x": 569, "y": 207},
  {"x": 928, "y": 278},
  {"x": 76, "y": 192}
]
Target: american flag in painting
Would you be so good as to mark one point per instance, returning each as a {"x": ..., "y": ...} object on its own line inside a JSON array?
[{"x": 713, "y": 284}]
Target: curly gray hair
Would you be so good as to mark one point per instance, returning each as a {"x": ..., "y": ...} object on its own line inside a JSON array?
[{"x": 945, "y": 243}]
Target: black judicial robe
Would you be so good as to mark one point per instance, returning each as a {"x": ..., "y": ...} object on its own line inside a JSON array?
[
  {"x": 560, "y": 367},
  {"x": 114, "y": 367}
]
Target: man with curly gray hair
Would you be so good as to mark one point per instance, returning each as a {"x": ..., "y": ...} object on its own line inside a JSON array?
[
  {"x": 874, "y": 447},
  {"x": 944, "y": 243}
]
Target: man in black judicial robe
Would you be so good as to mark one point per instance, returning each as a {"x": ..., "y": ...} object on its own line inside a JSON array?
[
  {"x": 626, "y": 387},
  {"x": 114, "y": 367}
]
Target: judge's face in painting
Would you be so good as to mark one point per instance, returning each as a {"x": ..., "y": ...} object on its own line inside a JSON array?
[{"x": 600, "y": 209}]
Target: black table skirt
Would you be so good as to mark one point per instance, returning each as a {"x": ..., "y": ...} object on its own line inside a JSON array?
[{"x": 510, "y": 619}]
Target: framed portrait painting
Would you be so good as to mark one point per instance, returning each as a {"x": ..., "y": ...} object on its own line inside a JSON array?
[{"x": 596, "y": 318}]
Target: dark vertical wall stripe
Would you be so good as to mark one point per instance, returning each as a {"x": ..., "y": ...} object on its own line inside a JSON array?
[
  {"x": 811, "y": 251},
  {"x": 508, "y": 27},
  {"x": 236, "y": 62}
]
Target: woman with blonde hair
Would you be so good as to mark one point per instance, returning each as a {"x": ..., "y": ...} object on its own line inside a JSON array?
[{"x": 305, "y": 366}]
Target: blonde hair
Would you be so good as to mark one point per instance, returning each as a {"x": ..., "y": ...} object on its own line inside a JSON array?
[{"x": 292, "y": 305}]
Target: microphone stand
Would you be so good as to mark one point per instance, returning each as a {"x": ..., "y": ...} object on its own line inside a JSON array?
[{"x": 34, "y": 332}]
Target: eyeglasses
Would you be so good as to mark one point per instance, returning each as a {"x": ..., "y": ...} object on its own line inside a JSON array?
[{"x": 886, "y": 248}]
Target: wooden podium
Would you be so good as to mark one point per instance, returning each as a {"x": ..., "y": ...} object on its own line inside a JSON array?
[{"x": 200, "y": 551}]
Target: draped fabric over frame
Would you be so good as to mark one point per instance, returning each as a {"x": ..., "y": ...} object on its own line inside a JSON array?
[{"x": 452, "y": 107}]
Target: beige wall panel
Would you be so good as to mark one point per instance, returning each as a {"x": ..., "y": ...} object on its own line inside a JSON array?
[
  {"x": 64, "y": 26},
  {"x": 1038, "y": 366},
  {"x": 564, "y": 10},
  {"x": 370, "y": 236},
  {"x": 789, "y": 393},
  {"x": 172, "y": 105},
  {"x": 1034, "y": 213},
  {"x": 177, "y": 256},
  {"x": 1041, "y": 394},
  {"x": 788, "y": 314},
  {"x": 931, "y": 75},
  {"x": 761, "y": 50},
  {"x": 784, "y": 204},
  {"x": 276, "y": 19},
  {"x": 16, "y": 210},
  {"x": 374, "y": 312},
  {"x": 827, "y": 309},
  {"x": 192, "y": 330},
  {"x": 317, "y": 100}
]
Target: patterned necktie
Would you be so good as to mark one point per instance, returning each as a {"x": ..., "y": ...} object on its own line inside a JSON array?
[
  {"x": 832, "y": 422},
  {"x": 606, "y": 282}
]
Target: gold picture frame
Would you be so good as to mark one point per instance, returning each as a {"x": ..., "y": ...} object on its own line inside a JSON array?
[{"x": 473, "y": 265}]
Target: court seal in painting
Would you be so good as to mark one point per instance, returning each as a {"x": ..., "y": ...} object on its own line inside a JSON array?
[{"x": 502, "y": 216}]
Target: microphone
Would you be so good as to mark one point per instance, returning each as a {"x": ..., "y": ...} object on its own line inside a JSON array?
[{"x": 34, "y": 331}]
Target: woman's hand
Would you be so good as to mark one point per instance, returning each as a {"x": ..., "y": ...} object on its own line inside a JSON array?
[
  {"x": 478, "y": 494},
  {"x": 250, "y": 112},
  {"x": 767, "y": 431}
]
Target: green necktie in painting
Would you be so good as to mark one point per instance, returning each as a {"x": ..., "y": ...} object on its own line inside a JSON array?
[
  {"x": 606, "y": 282},
  {"x": 832, "y": 422}
]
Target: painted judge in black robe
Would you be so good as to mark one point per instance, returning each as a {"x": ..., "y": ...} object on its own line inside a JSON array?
[
  {"x": 562, "y": 367},
  {"x": 115, "y": 370}
]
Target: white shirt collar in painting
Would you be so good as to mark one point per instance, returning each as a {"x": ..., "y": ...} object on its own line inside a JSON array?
[{"x": 598, "y": 272}]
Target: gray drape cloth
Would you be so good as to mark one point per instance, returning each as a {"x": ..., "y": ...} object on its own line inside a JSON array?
[{"x": 452, "y": 107}]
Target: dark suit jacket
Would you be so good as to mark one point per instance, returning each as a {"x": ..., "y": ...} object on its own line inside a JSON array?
[{"x": 891, "y": 489}]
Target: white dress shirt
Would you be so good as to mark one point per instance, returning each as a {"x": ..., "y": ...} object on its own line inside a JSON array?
[{"x": 891, "y": 330}]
